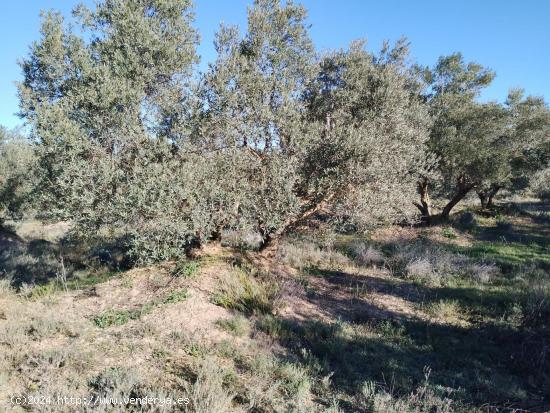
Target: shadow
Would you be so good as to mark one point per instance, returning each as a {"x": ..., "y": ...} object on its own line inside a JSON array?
[
  {"x": 490, "y": 362},
  {"x": 334, "y": 296},
  {"x": 471, "y": 366},
  {"x": 39, "y": 262}
]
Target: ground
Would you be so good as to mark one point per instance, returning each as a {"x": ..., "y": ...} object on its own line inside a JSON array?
[{"x": 407, "y": 319}]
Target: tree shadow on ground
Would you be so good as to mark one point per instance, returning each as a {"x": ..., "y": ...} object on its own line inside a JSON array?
[
  {"x": 39, "y": 262},
  {"x": 479, "y": 366}
]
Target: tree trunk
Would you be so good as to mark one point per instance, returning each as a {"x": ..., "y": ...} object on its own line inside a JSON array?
[
  {"x": 492, "y": 194},
  {"x": 462, "y": 190},
  {"x": 483, "y": 198},
  {"x": 271, "y": 240},
  {"x": 486, "y": 196},
  {"x": 425, "y": 205}
]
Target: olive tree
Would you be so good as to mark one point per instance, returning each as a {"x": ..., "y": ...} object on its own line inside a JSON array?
[
  {"x": 527, "y": 145},
  {"x": 16, "y": 178},
  {"x": 464, "y": 134},
  {"x": 101, "y": 103},
  {"x": 299, "y": 135}
]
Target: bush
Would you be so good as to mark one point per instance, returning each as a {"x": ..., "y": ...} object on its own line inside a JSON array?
[
  {"x": 537, "y": 305},
  {"x": 483, "y": 273},
  {"x": 241, "y": 239},
  {"x": 365, "y": 254},
  {"x": 207, "y": 394},
  {"x": 422, "y": 269},
  {"x": 426, "y": 263},
  {"x": 306, "y": 254}
]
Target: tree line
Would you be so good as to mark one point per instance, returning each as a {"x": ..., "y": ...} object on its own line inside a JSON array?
[{"x": 128, "y": 138}]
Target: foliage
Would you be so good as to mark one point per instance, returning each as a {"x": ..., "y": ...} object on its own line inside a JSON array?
[
  {"x": 101, "y": 103},
  {"x": 16, "y": 178},
  {"x": 540, "y": 184},
  {"x": 481, "y": 146}
]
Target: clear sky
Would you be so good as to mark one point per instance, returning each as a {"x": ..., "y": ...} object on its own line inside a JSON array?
[{"x": 511, "y": 37}]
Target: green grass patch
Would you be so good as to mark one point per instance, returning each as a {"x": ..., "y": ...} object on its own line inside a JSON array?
[
  {"x": 54, "y": 285},
  {"x": 118, "y": 317},
  {"x": 114, "y": 317},
  {"x": 176, "y": 296},
  {"x": 186, "y": 269},
  {"x": 509, "y": 254}
]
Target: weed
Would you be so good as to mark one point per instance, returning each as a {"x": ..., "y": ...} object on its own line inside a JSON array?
[
  {"x": 448, "y": 311},
  {"x": 118, "y": 317},
  {"x": 449, "y": 233},
  {"x": 176, "y": 296},
  {"x": 240, "y": 291},
  {"x": 365, "y": 254},
  {"x": 186, "y": 269},
  {"x": 112, "y": 317},
  {"x": 207, "y": 394}
]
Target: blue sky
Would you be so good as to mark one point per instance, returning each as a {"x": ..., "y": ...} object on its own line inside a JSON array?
[{"x": 510, "y": 37}]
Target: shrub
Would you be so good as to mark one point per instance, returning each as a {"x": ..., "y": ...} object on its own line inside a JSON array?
[
  {"x": 374, "y": 399},
  {"x": 426, "y": 263},
  {"x": 300, "y": 255},
  {"x": 207, "y": 394},
  {"x": 5, "y": 287},
  {"x": 422, "y": 269},
  {"x": 246, "y": 240},
  {"x": 483, "y": 273},
  {"x": 303, "y": 254},
  {"x": 276, "y": 385},
  {"x": 365, "y": 254},
  {"x": 537, "y": 304},
  {"x": 446, "y": 310}
]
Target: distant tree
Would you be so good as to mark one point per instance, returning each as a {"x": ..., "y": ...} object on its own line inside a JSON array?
[
  {"x": 528, "y": 148},
  {"x": 479, "y": 146},
  {"x": 464, "y": 134},
  {"x": 16, "y": 162},
  {"x": 102, "y": 104}
]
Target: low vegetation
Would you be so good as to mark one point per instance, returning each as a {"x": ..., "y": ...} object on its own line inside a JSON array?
[{"x": 398, "y": 321}]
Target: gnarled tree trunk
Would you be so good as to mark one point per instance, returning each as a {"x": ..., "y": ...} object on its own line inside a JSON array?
[
  {"x": 271, "y": 240},
  {"x": 425, "y": 205},
  {"x": 486, "y": 197},
  {"x": 463, "y": 187},
  {"x": 483, "y": 198}
]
